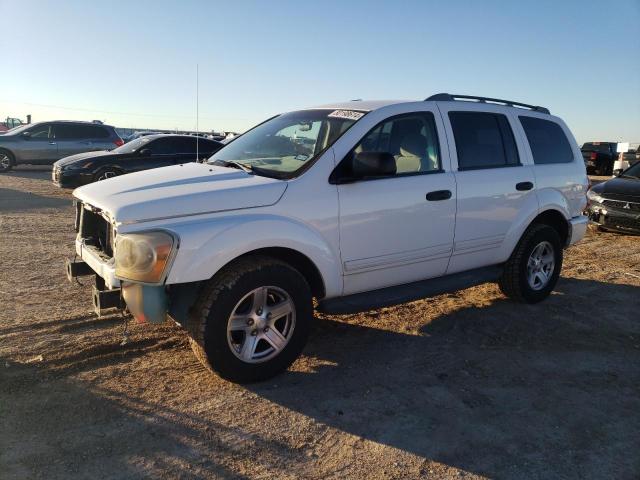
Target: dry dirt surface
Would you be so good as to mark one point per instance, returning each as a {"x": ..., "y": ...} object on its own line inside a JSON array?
[{"x": 466, "y": 385}]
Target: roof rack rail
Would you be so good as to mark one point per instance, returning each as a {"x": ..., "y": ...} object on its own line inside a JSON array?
[{"x": 447, "y": 97}]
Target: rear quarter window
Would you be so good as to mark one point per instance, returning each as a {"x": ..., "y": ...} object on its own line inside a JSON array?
[{"x": 547, "y": 140}]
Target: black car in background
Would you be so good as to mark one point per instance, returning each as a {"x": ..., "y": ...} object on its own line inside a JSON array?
[
  {"x": 599, "y": 157},
  {"x": 615, "y": 204},
  {"x": 147, "y": 152}
]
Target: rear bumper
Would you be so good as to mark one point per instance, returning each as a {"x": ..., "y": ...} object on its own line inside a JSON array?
[{"x": 578, "y": 229}]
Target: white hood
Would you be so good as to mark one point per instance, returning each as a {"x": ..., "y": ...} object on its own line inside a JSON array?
[{"x": 189, "y": 189}]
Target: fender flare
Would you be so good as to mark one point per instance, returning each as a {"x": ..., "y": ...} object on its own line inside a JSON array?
[{"x": 208, "y": 247}]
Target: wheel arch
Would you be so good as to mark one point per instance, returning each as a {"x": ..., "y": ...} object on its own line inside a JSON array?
[
  {"x": 557, "y": 220},
  {"x": 11, "y": 153},
  {"x": 205, "y": 250}
]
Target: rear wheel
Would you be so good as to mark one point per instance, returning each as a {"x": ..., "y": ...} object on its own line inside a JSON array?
[
  {"x": 532, "y": 271},
  {"x": 6, "y": 161},
  {"x": 251, "y": 321}
]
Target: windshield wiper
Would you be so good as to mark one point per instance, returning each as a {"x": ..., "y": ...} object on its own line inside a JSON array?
[
  {"x": 629, "y": 176},
  {"x": 233, "y": 164}
]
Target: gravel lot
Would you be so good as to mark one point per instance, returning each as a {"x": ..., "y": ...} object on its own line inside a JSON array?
[{"x": 466, "y": 385}]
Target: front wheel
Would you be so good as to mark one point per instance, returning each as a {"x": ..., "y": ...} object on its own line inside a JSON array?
[
  {"x": 532, "y": 271},
  {"x": 6, "y": 161},
  {"x": 105, "y": 174},
  {"x": 251, "y": 321}
]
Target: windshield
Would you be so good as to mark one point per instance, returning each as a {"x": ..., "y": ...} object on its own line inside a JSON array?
[
  {"x": 283, "y": 145},
  {"x": 21, "y": 128},
  {"x": 132, "y": 146},
  {"x": 633, "y": 171}
]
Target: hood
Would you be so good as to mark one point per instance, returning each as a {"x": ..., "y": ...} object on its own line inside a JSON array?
[
  {"x": 618, "y": 186},
  {"x": 181, "y": 190},
  {"x": 82, "y": 156}
]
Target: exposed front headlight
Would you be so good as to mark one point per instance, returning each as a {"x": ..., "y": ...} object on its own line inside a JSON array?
[
  {"x": 594, "y": 197},
  {"x": 143, "y": 257}
]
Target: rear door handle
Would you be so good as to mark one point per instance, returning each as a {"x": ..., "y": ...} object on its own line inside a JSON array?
[
  {"x": 522, "y": 186},
  {"x": 439, "y": 195}
]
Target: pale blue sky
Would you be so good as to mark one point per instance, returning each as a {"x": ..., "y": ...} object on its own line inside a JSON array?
[{"x": 133, "y": 63}]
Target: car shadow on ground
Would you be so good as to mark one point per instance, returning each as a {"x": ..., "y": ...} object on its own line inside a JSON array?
[
  {"x": 502, "y": 390},
  {"x": 93, "y": 423},
  {"x": 505, "y": 391},
  {"x": 36, "y": 172},
  {"x": 18, "y": 201}
]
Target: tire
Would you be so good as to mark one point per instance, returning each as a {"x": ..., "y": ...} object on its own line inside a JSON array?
[
  {"x": 105, "y": 173},
  {"x": 7, "y": 161},
  {"x": 220, "y": 344},
  {"x": 515, "y": 281}
]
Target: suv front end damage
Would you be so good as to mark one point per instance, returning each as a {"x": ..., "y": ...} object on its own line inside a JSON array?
[{"x": 129, "y": 269}]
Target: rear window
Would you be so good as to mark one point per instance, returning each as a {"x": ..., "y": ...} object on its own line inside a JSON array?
[
  {"x": 547, "y": 140},
  {"x": 483, "y": 140},
  {"x": 79, "y": 132},
  {"x": 599, "y": 147}
]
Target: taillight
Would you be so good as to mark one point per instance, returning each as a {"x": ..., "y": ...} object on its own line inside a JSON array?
[
  {"x": 119, "y": 142},
  {"x": 593, "y": 156}
]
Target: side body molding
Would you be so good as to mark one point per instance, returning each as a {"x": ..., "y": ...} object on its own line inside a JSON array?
[{"x": 206, "y": 247}]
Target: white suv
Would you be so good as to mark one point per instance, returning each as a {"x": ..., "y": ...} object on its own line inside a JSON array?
[{"x": 358, "y": 205}]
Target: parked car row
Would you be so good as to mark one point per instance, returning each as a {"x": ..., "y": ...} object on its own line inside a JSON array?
[
  {"x": 600, "y": 157},
  {"x": 151, "y": 151},
  {"x": 45, "y": 142}
]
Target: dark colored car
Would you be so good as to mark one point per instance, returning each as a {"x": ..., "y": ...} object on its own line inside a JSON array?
[
  {"x": 599, "y": 157},
  {"x": 147, "y": 152},
  {"x": 45, "y": 142},
  {"x": 615, "y": 204}
]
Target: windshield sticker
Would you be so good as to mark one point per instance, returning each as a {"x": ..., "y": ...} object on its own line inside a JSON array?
[
  {"x": 348, "y": 114},
  {"x": 302, "y": 158}
]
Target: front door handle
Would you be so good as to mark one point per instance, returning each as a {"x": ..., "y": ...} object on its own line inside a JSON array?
[
  {"x": 439, "y": 195},
  {"x": 522, "y": 186}
]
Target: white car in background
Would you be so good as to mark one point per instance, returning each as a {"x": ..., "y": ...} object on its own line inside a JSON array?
[{"x": 358, "y": 205}]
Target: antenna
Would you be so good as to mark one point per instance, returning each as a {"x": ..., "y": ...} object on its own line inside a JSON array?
[{"x": 197, "y": 115}]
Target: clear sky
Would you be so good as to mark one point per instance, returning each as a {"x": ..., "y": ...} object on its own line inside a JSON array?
[{"x": 133, "y": 63}]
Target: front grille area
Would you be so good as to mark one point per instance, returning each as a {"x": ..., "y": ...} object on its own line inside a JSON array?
[
  {"x": 622, "y": 205},
  {"x": 95, "y": 230}
]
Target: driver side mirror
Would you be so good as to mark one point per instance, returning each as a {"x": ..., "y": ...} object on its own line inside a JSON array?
[
  {"x": 26, "y": 135},
  {"x": 364, "y": 166},
  {"x": 145, "y": 151}
]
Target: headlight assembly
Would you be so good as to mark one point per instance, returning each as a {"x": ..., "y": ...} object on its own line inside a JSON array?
[
  {"x": 143, "y": 257},
  {"x": 594, "y": 197},
  {"x": 76, "y": 166}
]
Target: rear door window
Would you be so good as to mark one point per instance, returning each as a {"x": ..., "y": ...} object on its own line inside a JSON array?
[
  {"x": 79, "y": 132},
  {"x": 547, "y": 140},
  {"x": 483, "y": 140}
]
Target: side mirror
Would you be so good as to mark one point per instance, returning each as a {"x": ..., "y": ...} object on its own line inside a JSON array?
[
  {"x": 26, "y": 135},
  {"x": 362, "y": 166},
  {"x": 145, "y": 151}
]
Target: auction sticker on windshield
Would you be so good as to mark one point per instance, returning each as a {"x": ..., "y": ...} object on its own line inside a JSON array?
[{"x": 349, "y": 114}]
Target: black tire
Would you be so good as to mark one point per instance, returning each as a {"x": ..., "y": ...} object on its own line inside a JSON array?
[
  {"x": 514, "y": 282},
  {"x": 7, "y": 160},
  {"x": 207, "y": 324},
  {"x": 105, "y": 173}
]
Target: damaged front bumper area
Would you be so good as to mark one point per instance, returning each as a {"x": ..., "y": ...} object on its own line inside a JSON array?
[
  {"x": 147, "y": 303},
  {"x": 94, "y": 247}
]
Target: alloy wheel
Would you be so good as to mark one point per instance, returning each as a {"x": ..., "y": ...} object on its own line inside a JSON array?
[
  {"x": 541, "y": 265},
  {"x": 261, "y": 324}
]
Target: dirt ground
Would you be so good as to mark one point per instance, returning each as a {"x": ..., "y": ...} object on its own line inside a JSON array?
[{"x": 466, "y": 385}]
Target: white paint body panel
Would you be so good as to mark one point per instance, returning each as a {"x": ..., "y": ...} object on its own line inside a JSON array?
[{"x": 360, "y": 236}]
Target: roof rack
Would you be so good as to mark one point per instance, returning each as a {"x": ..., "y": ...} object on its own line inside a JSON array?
[{"x": 447, "y": 97}]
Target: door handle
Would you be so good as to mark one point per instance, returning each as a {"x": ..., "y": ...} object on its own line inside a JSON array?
[
  {"x": 439, "y": 195},
  {"x": 522, "y": 186}
]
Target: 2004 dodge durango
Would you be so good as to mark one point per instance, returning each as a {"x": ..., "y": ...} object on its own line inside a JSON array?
[{"x": 358, "y": 205}]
